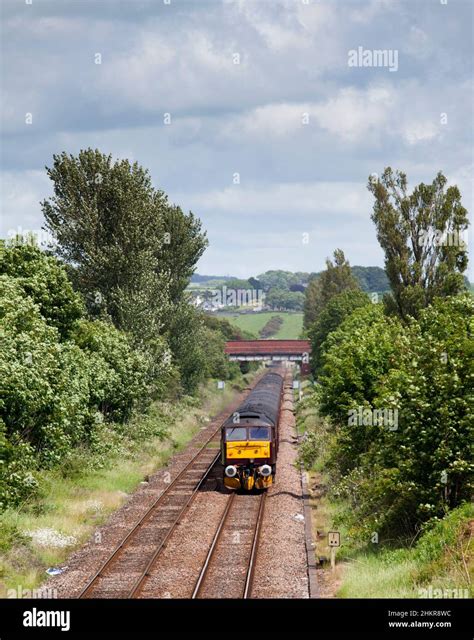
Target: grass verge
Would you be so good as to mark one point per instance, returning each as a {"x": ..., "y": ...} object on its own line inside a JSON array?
[{"x": 439, "y": 565}]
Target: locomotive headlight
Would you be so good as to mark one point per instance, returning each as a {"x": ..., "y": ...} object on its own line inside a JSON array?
[
  {"x": 265, "y": 470},
  {"x": 231, "y": 471}
]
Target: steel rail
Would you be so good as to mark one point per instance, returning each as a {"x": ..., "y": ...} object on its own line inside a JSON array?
[
  {"x": 119, "y": 548},
  {"x": 91, "y": 583},
  {"x": 210, "y": 553},
  {"x": 138, "y": 586},
  {"x": 253, "y": 553},
  {"x": 215, "y": 541}
]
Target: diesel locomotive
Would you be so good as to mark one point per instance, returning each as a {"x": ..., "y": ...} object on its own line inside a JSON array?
[{"x": 249, "y": 439}]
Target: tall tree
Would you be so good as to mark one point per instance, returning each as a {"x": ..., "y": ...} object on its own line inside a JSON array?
[
  {"x": 130, "y": 252},
  {"x": 312, "y": 302},
  {"x": 334, "y": 280},
  {"x": 334, "y": 313},
  {"x": 45, "y": 281},
  {"x": 422, "y": 236},
  {"x": 275, "y": 279},
  {"x": 183, "y": 245}
]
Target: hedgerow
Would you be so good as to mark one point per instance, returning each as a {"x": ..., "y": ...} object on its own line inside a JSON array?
[
  {"x": 72, "y": 387},
  {"x": 400, "y": 473}
]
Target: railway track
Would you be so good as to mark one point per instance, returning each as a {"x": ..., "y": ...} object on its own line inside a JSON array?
[
  {"x": 229, "y": 566},
  {"x": 125, "y": 571},
  {"x": 129, "y": 563}
]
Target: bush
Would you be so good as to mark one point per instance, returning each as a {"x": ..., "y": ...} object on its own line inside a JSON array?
[
  {"x": 398, "y": 478},
  {"x": 197, "y": 348},
  {"x": 355, "y": 357},
  {"x": 56, "y": 393},
  {"x": 334, "y": 313},
  {"x": 70, "y": 386},
  {"x": 17, "y": 462},
  {"x": 45, "y": 281},
  {"x": 432, "y": 390},
  {"x": 271, "y": 327},
  {"x": 43, "y": 382},
  {"x": 118, "y": 374}
]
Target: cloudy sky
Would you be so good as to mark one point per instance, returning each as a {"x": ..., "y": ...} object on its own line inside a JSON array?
[{"x": 272, "y": 133}]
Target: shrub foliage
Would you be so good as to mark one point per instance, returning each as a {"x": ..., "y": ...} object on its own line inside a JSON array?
[{"x": 68, "y": 382}]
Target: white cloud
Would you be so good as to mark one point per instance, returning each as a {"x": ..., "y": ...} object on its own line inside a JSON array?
[
  {"x": 353, "y": 113},
  {"x": 365, "y": 12},
  {"x": 369, "y": 116},
  {"x": 281, "y": 119},
  {"x": 246, "y": 117},
  {"x": 287, "y": 25},
  {"x": 418, "y": 43},
  {"x": 318, "y": 198}
]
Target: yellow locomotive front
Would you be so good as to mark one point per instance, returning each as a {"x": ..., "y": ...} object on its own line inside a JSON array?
[
  {"x": 249, "y": 441},
  {"x": 248, "y": 457}
]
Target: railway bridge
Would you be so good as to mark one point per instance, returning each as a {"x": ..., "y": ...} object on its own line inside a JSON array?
[{"x": 270, "y": 351}]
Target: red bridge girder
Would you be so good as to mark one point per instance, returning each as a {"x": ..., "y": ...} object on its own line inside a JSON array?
[{"x": 268, "y": 347}]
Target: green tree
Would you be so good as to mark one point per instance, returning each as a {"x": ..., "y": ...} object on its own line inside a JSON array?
[
  {"x": 355, "y": 356},
  {"x": 184, "y": 243},
  {"x": 238, "y": 283},
  {"x": 184, "y": 335},
  {"x": 17, "y": 462},
  {"x": 119, "y": 374},
  {"x": 371, "y": 279},
  {"x": 312, "y": 302},
  {"x": 276, "y": 279},
  {"x": 281, "y": 299},
  {"x": 44, "y": 384},
  {"x": 336, "y": 278},
  {"x": 129, "y": 251},
  {"x": 334, "y": 313},
  {"x": 228, "y": 330},
  {"x": 422, "y": 468},
  {"x": 107, "y": 221},
  {"x": 45, "y": 280},
  {"x": 254, "y": 283},
  {"x": 422, "y": 236},
  {"x": 217, "y": 365}
]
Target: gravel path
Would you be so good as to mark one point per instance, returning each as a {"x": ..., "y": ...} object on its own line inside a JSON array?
[{"x": 281, "y": 569}]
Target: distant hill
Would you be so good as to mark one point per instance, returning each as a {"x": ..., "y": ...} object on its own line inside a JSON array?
[
  {"x": 371, "y": 279},
  {"x": 198, "y": 278}
]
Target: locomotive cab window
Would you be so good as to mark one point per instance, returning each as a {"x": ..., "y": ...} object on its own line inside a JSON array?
[
  {"x": 259, "y": 433},
  {"x": 235, "y": 433}
]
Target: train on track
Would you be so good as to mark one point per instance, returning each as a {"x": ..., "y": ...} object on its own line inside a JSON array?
[{"x": 249, "y": 438}]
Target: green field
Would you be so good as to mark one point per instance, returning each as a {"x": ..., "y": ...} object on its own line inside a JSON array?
[{"x": 289, "y": 330}]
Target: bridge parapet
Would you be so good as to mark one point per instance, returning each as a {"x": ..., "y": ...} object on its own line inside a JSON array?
[{"x": 270, "y": 350}]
